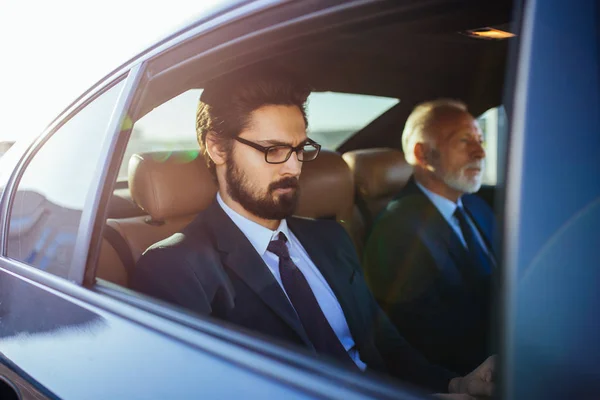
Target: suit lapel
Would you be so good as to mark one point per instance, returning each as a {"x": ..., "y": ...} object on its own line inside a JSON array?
[
  {"x": 438, "y": 228},
  {"x": 239, "y": 255},
  {"x": 438, "y": 232},
  {"x": 328, "y": 260}
]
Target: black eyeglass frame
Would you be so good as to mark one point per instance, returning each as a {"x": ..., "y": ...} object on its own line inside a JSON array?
[{"x": 296, "y": 149}]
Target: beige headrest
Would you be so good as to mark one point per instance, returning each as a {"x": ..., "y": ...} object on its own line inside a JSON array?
[
  {"x": 170, "y": 184},
  {"x": 378, "y": 172},
  {"x": 326, "y": 188}
]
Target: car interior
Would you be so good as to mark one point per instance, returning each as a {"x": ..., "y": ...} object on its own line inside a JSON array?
[{"x": 407, "y": 52}]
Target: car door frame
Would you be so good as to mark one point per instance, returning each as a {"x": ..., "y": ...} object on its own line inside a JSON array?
[{"x": 549, "y": 342}]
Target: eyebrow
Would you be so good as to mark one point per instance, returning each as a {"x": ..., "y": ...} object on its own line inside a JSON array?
[{"x": 274, "y": 142}]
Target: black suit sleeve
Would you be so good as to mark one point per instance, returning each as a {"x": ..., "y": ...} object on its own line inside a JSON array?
[
  {"x": 435, "y": 316},
  {"x": 400, "y": 358},
  {"x": 168, "y": 274},
  {"x": 405, "y": 362}
]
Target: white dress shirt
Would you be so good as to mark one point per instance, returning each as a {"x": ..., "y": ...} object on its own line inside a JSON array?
[
  {"x": 260, "y": 237},
  {"x": 447, "y": 208}
]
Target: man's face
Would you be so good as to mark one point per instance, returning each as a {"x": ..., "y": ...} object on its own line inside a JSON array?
[
  {"x": 269, "y": 191},
  {"x": 458, "y": 156}
]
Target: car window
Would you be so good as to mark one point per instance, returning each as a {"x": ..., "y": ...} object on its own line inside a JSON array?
[
  {"x": 52, "y": 192},
  {"x": 493, "y": 125},
  {"x": 332, "y": 118}
]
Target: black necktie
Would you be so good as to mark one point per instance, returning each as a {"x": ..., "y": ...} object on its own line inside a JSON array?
[
  {"x": 478, "y": 255},
  {"x": 303, "y": 299}
]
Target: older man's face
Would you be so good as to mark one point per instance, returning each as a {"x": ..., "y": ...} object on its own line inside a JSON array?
[{"x": 458, "y": 156}]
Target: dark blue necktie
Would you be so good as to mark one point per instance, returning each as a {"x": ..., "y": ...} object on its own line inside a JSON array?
[
  {"x": 478, "y": 256},
  {"x": 303, "y": 299}
]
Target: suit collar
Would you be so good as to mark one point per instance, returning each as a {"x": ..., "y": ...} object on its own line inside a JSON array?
[
  {"x": 445, "y": 206},
  {"x": 239, "y": 255},
  {"x": 435, "y": 227},
  {"x": 257, "y": 235}
]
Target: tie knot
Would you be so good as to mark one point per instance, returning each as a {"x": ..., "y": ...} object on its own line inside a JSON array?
[
  {"x": 279, "y": 247},
  {"x": 459, "y": 212}
]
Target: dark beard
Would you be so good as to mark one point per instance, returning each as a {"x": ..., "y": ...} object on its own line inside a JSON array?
[{"x": 266, "y": 207}]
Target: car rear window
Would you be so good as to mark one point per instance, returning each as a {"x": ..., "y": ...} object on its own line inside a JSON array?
[{"x": 332, "y": 118}]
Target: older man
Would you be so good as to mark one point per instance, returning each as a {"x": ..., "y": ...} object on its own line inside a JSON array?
[
  {"x": 429, "y": 257},
  {"x": 247, "y": 261}
]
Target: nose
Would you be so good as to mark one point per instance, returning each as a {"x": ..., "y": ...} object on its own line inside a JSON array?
[
  {"x": 292, "y": 167},
  {"x": 477, "y": 152}
]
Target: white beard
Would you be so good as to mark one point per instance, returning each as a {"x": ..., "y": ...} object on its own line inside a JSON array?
[{"x": 460, "y": 181}]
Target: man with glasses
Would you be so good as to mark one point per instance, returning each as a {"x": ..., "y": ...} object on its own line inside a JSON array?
[{"x": 247, "y": 261}]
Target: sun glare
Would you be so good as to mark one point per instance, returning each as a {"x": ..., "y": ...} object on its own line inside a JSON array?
[{"x": 53, "y": 51}]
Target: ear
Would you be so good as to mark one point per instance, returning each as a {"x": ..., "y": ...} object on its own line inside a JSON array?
[
  {"x": 422, "y": 155},
  {"x": 217, "y": 155}
]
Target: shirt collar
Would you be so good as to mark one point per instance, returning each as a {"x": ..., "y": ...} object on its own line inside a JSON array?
[
  {"x": 445, "y": 207},
  {"x": 258, "y": 235}
]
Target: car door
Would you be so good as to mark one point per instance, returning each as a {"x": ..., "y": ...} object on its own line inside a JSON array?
[
  {"x": 552, "y": 216},
  {"x": 71, "y": 341}
]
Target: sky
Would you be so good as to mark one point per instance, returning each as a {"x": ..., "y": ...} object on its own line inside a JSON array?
[{"x": 52, "y": 51}]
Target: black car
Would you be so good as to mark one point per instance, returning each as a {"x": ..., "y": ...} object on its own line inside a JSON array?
[{"x": 73, "y": 220}]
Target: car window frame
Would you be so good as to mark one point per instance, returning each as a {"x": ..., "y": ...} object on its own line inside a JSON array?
[{"x": 76, "y": 271}]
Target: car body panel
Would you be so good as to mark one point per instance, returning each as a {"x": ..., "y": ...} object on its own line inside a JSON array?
[{"x": 552, "y": 218}]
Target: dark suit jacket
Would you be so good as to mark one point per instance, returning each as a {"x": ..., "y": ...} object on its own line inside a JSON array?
[
  {"x": 420, "y": 274},
  {"x": 212, "y": 268}
]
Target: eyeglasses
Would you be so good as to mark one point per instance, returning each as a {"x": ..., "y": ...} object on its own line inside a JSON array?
[{"x": 280, "y": 153}]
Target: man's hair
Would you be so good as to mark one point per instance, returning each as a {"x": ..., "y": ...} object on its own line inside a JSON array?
[
  {"x": 420, "y": 120},
  {"x": 227, "y": 102}
]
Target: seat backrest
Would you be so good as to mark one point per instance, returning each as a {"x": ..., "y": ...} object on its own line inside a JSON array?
[
  {"x": 110, "y": 265},
  {"x": 326, "y": 189},
  {"x": 379, "y": 174},
  {"x": 171, "y": 187}
]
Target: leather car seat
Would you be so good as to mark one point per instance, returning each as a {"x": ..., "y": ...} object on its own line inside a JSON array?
[
  {"x": 327, "y": 190},
  {"x": 379, "y": 174},
  {"x": 173, "y": 187},
  {"x": 110, "y": 266}
]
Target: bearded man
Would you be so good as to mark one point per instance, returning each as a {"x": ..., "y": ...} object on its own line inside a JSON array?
[
  {"x": 245, "y": 259},
  {"x": 429, "y": 257}
]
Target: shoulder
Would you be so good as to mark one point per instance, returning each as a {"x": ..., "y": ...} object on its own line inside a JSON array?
[
  {"x": 312, "y": 223},
  {"x": 195, "y": 238},
  {"x": 481, "y": 212},
  {"x": 404, "y": 211},
  {"x": 475, "y": 203},
  {"x": 326, "y": 229},
  {"x": 329, "y": 233}
]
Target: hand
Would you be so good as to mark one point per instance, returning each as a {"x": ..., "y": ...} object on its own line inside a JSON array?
[{"x": 480, "y": 382}]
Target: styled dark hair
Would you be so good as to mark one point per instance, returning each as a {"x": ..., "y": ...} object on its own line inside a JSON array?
[{"x": 227, "y": 102}]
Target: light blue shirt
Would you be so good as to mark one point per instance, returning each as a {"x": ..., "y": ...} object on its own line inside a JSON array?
[
  {"x": 447, "y": 208},
  {"x": 260, "y": 237}
]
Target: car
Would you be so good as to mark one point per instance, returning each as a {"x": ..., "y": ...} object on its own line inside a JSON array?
[{"x": 76, "y": 213}]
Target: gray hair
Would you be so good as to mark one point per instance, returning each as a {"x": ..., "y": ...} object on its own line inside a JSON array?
[{"x": 420, "y": 120}]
